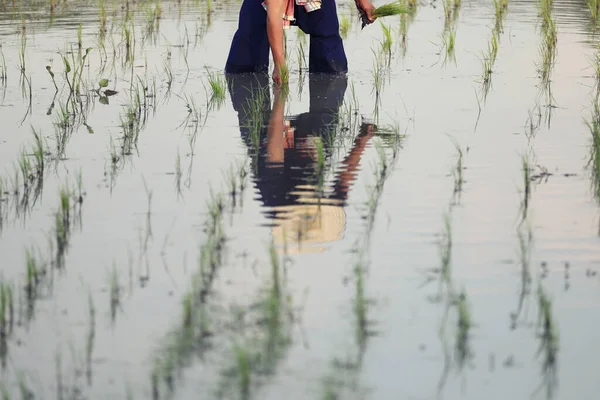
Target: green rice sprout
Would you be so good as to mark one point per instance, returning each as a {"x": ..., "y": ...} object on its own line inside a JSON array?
[
  {"x": 449, "y": 39},
  {"x": 218, "y": 87},
  {"x": 390, "y": 9},
  {"x": 386, "y": 42}
]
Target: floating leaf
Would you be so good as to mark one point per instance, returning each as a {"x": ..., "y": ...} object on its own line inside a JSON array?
[
  {"x": 103, "y": 100},
  {"x": 109, "y": 92},
  {"x": 103, "y": 83}
]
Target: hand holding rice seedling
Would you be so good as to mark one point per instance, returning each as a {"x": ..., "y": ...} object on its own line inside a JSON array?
[{"x": 386, "y": 10}]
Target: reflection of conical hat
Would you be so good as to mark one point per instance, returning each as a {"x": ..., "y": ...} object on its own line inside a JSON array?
[{"x": 307, "y": 226}]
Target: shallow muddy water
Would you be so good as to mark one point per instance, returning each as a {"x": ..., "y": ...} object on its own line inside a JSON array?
[{"x": 426, "y": 227}]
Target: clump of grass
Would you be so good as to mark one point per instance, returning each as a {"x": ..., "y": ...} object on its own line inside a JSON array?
[
  {"x": 218, "y": 87},
  {"x": 449, "y": 38},
  {"x": 255, "y": 110}
]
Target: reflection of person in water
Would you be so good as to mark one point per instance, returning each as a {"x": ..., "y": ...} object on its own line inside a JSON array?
[{"x": 298, "y": 204}]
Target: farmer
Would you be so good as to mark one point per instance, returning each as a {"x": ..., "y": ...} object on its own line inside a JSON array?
[{"x": 261, "y": 25}]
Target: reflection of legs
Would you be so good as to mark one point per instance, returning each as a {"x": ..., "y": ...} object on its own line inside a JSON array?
[
  {"x": 250, "y": 98},
  {"x": 327, "y": 92},
  {"x": 249, "y": 50},
  {"x": 326, "y": 96},
  {"x": 326, "y": 48}
]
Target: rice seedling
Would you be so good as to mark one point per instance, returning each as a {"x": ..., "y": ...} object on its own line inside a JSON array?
[
  {"x": 129, "y": 42},
  {"x": 33, "y": 275},
  {"x": 526, "y": 168},
  {"x": 449, "y": 39},
  {"x": 386, "y": 42},
  {"x": 344, "y": 26},
  {"x": 547, "y": 52},
  {"x": 39, "y": 154},
  {"x": 493, "y": 49},
  {"x": 3, "y": 69},
  {"x": 102, "y": 17},
  {"x": 445, "y": 249},
  {"x": 79, "y": 36},
  {"x": 447, "y": 4},
  {"x": 218, "y": 87},
  {"x": 7, "y": 310},
  {"x": 62, "y": 227},
  {"x": 545, "y": 7},
  {"x": 464, "y": 324},
  {"x": 390, "y": 9},
  {"x": 255, "y": 110},
  {"x": 594, "y": 7},
  {"x": 114, "y": 292},
  {"x": 457, "y": 171},
  {"x": 22, "y": 60},
  {"x": 486, "y": 77},
  {"x": 178, "y": 174},
  {"x": 243, "y": 367},
  {"x": 525, "y": 239},
  {"x": 378, "y": 81},
  {"x": 500, "y": 8},
  {"x": 549, "y": 342}
]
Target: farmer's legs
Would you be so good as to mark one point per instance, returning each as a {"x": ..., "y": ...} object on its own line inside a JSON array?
[
  {"x": 326, "y": 48},
  {"x": 249, "y": 50}
]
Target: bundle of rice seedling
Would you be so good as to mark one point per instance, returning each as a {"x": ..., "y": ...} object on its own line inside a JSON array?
[
  {"x": 387, "y": 10},
  {"x": 395, "y": 8}
]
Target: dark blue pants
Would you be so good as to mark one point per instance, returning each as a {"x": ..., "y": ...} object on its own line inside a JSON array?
[{"x": 250, "y": 47}]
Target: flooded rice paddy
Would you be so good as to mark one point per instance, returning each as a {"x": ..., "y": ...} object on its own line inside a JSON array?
[{"x": 426, "y": 227}]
